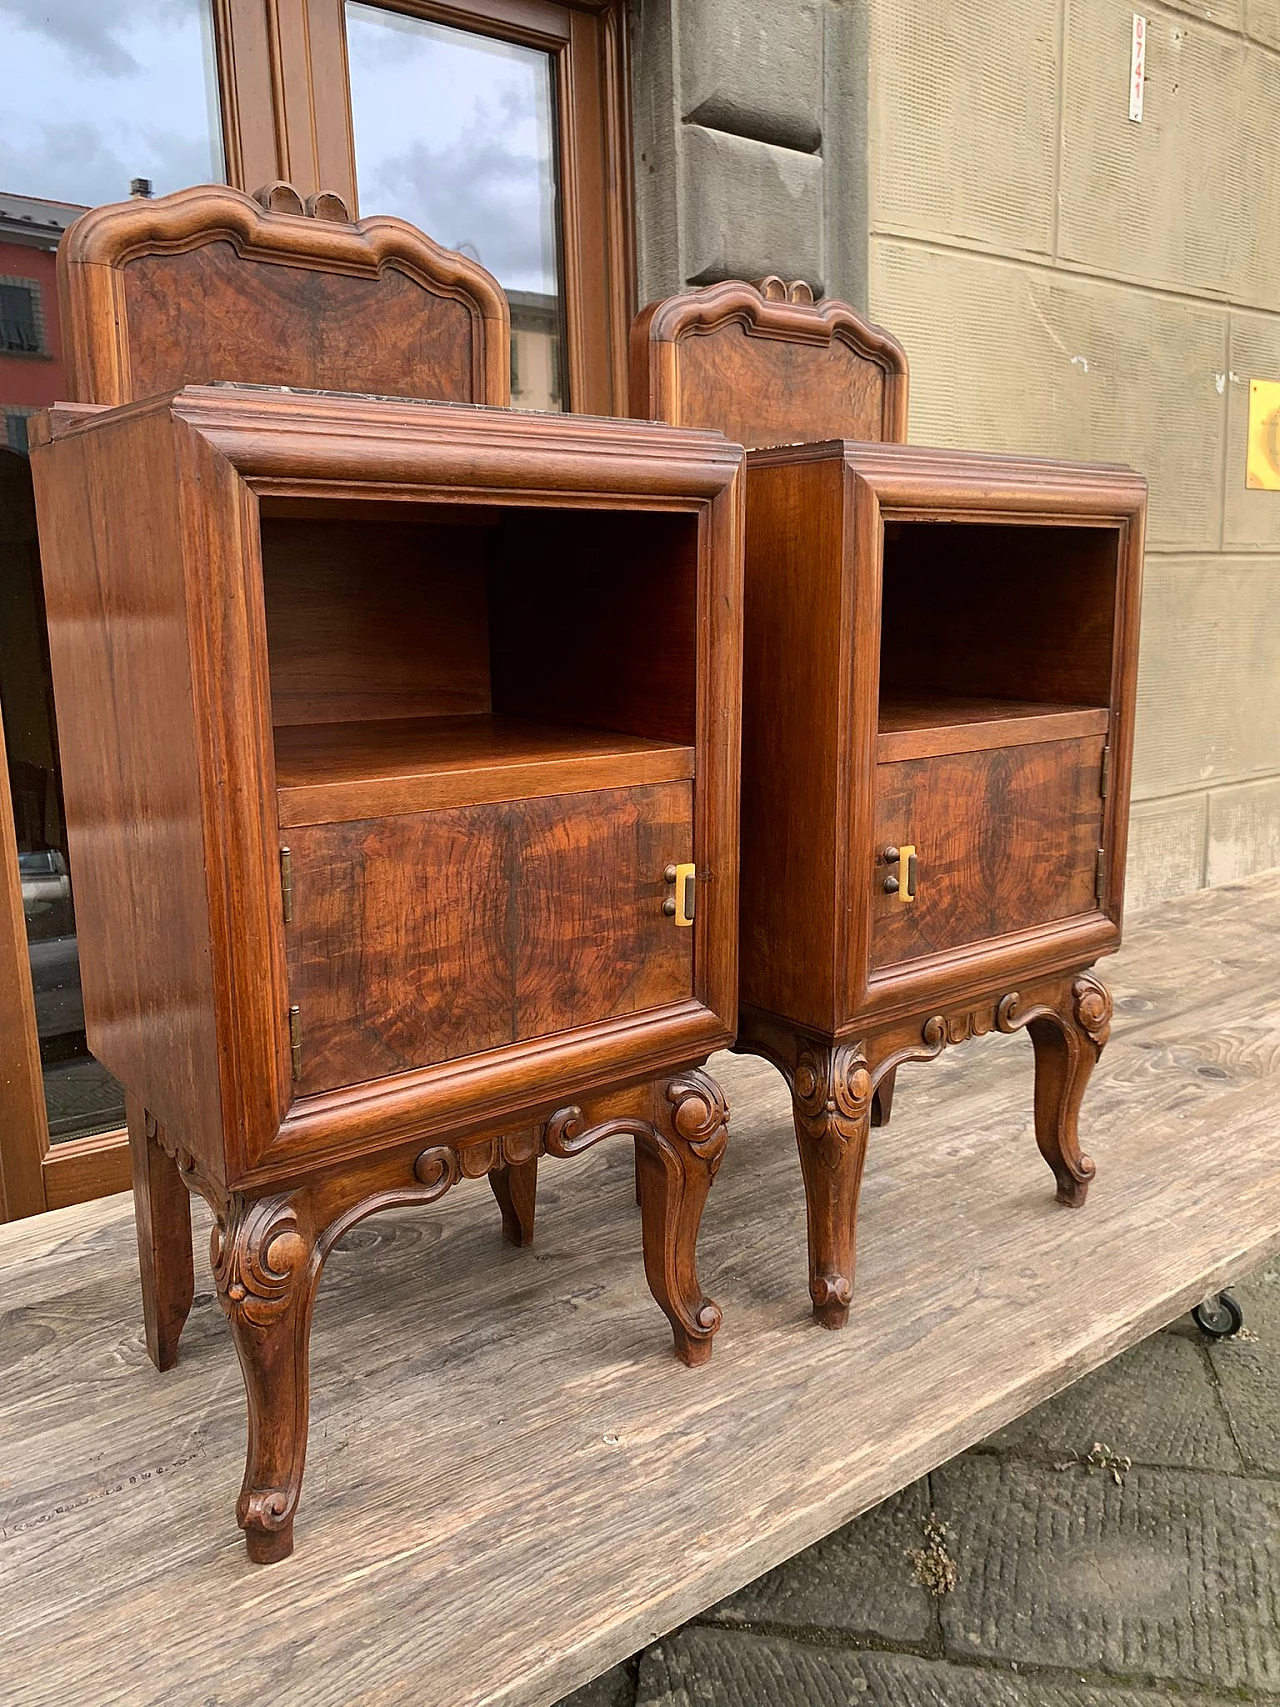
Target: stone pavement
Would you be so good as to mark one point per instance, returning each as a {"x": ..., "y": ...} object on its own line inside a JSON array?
[{"x": 1074, "y": 1586}]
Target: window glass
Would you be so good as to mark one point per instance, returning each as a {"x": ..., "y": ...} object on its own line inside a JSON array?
[
  {"x": 455, "y": 132},
  {"x": 93, "y": 95},
  {"x": 96, "y": 93}
]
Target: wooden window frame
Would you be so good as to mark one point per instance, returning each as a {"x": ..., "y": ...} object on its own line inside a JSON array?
[{"x": 286, "y": 113}]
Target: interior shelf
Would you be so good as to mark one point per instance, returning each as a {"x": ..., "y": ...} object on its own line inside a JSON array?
[
  {"x": 329, "y": 772},
  {"x": 926, "y": 724}
]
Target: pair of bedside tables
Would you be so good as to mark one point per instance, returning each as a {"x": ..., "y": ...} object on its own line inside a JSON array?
[{"x": 401, "y": 751}]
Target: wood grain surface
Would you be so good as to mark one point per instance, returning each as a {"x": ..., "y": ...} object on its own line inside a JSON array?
[
  {"x": 519, "y": 1485},
  {"x": 767, "y": 365},
  {"x": 421, "y": 938},
  {"x": 326, "y": 772},
  {"x": 206, "y": 285},
  {"x": 1005, "y": 839},
  {"x": 383, "y": 620},
  {"x": 920, "y": 725},
  {"x": 973, "y": 609}
]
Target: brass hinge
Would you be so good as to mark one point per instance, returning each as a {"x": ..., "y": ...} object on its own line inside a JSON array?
[
  {"x": 295, "y": 1040},
  {"x": 286, "y": 884},
  {"x": 1100, "y": 876},
  {"x": 1104, "y": 780}
]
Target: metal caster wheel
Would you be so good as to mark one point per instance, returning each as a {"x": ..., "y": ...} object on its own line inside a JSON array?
[{"x": 1219, "y": 1316}]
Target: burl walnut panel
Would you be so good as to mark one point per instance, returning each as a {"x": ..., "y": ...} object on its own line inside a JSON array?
[
  {"x": 768, "y": 365},
  {"x": 209, "y": 285},
  {"x": 292, "y": 326},
  {"x": 1005, "y": 839},
  {"x": 421, "y": 938}
]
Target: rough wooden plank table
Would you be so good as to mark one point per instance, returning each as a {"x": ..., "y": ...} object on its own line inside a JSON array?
[{"x": 511, "y": 1483}]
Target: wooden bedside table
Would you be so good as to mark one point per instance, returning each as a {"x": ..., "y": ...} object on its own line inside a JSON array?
[
  {"x": 399, "y": 738},
  {"x": 939, "y": 682}
]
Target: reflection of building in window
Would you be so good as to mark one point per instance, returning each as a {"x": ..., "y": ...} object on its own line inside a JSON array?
[
  {"x": 21, "y": 326},
  {"x": 535, "y": 350},
  {"x": 14, "y": 435},
  {"x": 29, "y": 232}
]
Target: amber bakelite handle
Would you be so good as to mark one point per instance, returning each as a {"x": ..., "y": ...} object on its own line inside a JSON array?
[
  {"x": 903, "y": 887},
  {"x": 680, "y": 907}
]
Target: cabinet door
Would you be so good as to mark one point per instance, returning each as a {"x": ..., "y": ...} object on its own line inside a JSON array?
[
  {"x": 421, "y": 938},
  {"x": 1004, "y": 839}
]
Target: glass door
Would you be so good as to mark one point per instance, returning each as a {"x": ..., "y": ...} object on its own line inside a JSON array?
[{"x": 96, "y": 103}]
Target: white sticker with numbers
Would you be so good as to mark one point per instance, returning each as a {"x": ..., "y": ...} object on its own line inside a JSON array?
[{"x": 1137, "y": 67}]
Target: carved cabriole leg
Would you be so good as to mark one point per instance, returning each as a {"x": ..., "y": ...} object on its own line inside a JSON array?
[
  {"x": 1067, "y": 1044},
  {"x": 514, "y": 1181},
  {"x": 831, "y": 1103},
  {"x": 675, "y": 1167},
  {"x": 677, "y": 1155},
  {"x": 162, "y": 1213},
  {"x": 516, "y": 1189},
  {"x": 267, "y": 1266},
  {"x": 882, "y": 1101}
]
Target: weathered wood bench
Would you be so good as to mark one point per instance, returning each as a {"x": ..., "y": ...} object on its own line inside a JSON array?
[{"x": 539, "y": 1492}]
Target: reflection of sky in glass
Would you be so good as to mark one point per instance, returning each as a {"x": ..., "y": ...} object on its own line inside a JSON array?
[
  {"x": 95, "y": 92},
  {"x": 453, "y": 132}
]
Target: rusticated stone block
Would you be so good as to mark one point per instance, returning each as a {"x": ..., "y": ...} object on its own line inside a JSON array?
[
  {"x": 1248, "y": 1372},
  {"x": 963, "y": 114},
  {"x": 615, "y": 1689},
  {"x": 1172, "y": 1574},
  {"x": 1007, "y": 357},
  {"x": 1156, "y": 1403},
  {"x": 754, "y": 68},
  {"x": 712, "y": 1668},
  {"x": 1166, "y": 200},
  {"x": 750, "y": 209},
  {"x": 1166, "y": 850},
  {"x": 858, "y": 1581},
  {"x": 1244, "y": 830},
  {"x": 1208, "y": 682}
]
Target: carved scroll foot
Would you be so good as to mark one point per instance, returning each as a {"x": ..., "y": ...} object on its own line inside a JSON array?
[
  {"x": 1067, "y": 1046},
  {"x": 267, "y": 1267},
  {"x": 162, "y": 1212},
  {"x": 831, "y": 1103},
  {"x": 516, "y": 1189},
  {"x": 676, "y": 1161}
]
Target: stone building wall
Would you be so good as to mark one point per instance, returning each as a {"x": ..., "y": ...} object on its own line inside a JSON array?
[{"x": 1065, "y": 281}]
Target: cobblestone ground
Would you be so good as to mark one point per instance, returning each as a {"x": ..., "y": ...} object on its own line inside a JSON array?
[{"x": 1074, "y": 1584}]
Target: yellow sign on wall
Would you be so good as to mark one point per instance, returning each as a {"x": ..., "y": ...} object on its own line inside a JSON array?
[{"x": 1262, "y": 467}]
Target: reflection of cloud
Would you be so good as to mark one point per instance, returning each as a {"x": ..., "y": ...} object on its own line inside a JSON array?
[
  {"x": 88, "y": 161},
  {"x": 376, "y": 38},
  {"x": 482, "y": 190},
  {"x": 90, "y": 29}
]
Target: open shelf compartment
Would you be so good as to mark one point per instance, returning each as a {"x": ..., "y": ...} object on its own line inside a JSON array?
[
  {"x": 994, "y": 635},
  {"x": 426, "y": 657},
  {"x": 328, "y": 772}
]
